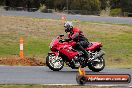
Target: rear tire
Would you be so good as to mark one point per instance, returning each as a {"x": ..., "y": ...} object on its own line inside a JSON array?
[
  {"x": 58, "y": 65},
  {"x": 96, "y": 68}
]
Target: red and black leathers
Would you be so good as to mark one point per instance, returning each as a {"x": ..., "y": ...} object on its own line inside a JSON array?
[{"x": 82, "y": 42}]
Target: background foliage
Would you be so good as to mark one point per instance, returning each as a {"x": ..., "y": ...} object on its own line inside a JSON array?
[{"x": 60, "y": 5}]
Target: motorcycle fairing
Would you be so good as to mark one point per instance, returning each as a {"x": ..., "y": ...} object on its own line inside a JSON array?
[{"x": 68, "y": 52}]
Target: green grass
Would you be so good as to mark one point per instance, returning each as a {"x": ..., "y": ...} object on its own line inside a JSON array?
[
  {"x": 35, "y": 47},
  {"x": 38, "y": 33},
  {"x": 32, "y": 46}
]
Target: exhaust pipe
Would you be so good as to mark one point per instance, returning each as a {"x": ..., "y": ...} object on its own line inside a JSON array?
[{"x": 101, "y": 53}]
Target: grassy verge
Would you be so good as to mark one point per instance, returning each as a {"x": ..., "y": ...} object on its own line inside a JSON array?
[
  {"x": 38, "y": 33},
  {"x": 45, "y": 86}
]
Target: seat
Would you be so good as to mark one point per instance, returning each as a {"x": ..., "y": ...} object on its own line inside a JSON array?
[{"x": 93, "y": 45}]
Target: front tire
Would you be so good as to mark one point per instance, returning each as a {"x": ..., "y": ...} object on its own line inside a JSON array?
[
  {"x": 97, "y": 65},
  {"x": 55, "y": 63}
]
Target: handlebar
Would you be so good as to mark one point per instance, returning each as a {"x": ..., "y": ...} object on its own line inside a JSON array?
[
  {"x": 71, "y": 42},
  {"x": 62, "y": 40}
]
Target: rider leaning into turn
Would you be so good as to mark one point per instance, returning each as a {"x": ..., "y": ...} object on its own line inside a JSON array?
[{"x": 76, "y": 35}]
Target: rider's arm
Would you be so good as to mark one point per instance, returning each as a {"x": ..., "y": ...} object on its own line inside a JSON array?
[
  {"x": 76, "y": 32},
  {"x": 75, "y": 35}
]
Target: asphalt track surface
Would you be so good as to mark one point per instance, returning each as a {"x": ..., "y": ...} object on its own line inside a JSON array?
[
  {"x": 117, "y": 20},
  {"x": 43, "y": 75}
]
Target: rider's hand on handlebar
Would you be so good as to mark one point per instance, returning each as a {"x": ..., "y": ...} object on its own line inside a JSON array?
[
  {"x": 69, "y": 39},
  {"x": 64, "y": 40}
]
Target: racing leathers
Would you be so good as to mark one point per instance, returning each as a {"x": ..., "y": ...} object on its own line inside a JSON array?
[{"x": 81, "y": 42}]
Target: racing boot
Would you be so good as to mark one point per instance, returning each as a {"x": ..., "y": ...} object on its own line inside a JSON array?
[
  {"x": 85, "y": 53},
  {"x": 87, "y": 56}
]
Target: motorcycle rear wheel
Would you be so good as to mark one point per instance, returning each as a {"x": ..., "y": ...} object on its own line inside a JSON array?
[
  {"x": 97, "y": 66},
  {"x": 55, "y": 63}
]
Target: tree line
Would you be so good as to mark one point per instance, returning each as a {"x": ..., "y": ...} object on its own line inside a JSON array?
[{"x": 60, "y": 5}]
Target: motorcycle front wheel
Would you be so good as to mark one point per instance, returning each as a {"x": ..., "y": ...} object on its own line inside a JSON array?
[
  {"x": 54, "y": 62},
  {"x": 97, "y": 65}
]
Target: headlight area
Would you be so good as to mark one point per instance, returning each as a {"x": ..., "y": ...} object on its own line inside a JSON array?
[{"x": 53, "y": 48}]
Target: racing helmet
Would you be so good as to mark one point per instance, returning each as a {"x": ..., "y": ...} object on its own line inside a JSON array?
[{"x": 68, "y": 26}]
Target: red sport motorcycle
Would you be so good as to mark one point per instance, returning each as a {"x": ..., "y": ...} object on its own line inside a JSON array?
[{"x": 63, "y": 52}]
